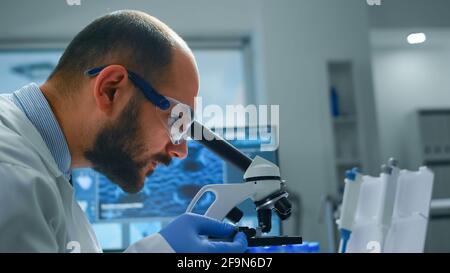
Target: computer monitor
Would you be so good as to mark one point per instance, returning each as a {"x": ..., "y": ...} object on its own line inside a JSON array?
[{"x": 119, "y": 218}]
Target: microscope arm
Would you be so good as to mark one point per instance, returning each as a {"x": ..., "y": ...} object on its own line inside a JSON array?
[{"x": 227, "y": 196}]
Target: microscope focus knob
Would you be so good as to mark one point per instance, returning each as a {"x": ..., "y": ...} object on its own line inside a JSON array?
[
  {"x": 235, "y": 215},
  {"x": 283, "y": 208}
]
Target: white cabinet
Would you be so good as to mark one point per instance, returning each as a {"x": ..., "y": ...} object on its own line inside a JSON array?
[{"x": 433, "y": 150}]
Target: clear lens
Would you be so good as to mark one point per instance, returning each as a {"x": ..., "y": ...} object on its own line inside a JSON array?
[{"x": 177, "y": 120}]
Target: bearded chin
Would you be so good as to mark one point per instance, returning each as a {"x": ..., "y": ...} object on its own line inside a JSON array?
[
  {"x": 110, "y": 159},
  {"x": 114, "y": 150}
]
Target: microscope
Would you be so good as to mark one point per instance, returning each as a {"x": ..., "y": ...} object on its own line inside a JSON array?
[{"x": 262, "y": 184}]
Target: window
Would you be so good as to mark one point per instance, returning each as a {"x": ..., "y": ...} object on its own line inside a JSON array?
[
  {"x": 222, "y": 76},
  {"x": 222, "y": 67},
  {"x": 20, "y": 67}
]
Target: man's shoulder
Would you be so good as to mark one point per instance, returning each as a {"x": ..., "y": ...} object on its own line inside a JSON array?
[
  {"x": 22, "y": 171},
  {"x": 7, "y": 96},
  {"x": 17, "y": 150}
]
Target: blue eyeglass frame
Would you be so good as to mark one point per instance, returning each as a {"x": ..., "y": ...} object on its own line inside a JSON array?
[{"x": 149, "y": 92}]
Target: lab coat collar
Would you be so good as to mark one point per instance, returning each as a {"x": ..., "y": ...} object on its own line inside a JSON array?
[{"x": 17, "y": 121}]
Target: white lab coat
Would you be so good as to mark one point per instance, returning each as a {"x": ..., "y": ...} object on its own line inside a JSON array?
[{"x": 38, "y": 211}]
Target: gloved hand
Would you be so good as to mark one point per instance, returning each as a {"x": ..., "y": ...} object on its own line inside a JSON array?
[{"x": 189, "y": 232}]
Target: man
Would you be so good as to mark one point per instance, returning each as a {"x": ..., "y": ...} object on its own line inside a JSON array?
[{"x": 108, "y": 105}]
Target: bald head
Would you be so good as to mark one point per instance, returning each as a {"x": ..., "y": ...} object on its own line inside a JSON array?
[{"x": 134, "y": 39}]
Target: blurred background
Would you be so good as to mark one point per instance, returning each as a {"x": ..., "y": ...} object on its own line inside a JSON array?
[{"x": 353, "y": 89}]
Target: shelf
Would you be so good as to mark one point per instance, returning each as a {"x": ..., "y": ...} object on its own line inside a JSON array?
[
  {"x": 347, "y": 150},
  {"x": 440, "y": 204},
  {"x": 439, "y": 209},
  {"x": 348, "y": 162},
  {"x": 437, "y": 161},
  {"x": 344, "y": 120}
]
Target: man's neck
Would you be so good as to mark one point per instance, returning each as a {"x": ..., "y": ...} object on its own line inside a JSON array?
[{"x": 70, "y": 120}]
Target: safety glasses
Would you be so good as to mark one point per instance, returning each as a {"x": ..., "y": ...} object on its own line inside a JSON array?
[{"x": 175, "y": 116}]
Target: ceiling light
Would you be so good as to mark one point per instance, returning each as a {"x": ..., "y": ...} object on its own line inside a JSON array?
[{"x": 416, "y": 38}]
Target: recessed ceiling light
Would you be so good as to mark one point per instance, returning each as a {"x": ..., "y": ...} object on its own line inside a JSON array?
[{"x": 416, "y": 38}]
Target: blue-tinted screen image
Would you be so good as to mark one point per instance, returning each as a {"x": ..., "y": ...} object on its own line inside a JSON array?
[{"x": 166, "y": 193}]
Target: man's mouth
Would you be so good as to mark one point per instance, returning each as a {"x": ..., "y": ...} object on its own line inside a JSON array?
[
  {"x": 154, "y": 164},
  {"x": 150, "y": 168}
]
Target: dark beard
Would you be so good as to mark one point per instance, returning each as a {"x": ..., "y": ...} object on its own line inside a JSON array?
[{"x": 115, "y": 151}]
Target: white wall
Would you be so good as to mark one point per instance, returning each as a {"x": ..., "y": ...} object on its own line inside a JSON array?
[
  {"x": 299, "y": 38},
  {"x": 408, "y": 78},
  {"x": 410, "y": 13},
  {"x": 292, "y": 39}
]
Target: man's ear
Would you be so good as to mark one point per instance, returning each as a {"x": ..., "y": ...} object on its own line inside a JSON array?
[{"x": 107, "y": 84}]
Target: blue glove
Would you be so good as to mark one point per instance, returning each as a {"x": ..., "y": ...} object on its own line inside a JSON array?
[{"x": 189, "y": 232}]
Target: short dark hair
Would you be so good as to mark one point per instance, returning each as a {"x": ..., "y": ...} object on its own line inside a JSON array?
[{"x": 131, "y": 38}]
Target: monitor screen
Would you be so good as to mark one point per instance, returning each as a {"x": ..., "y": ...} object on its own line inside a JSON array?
[{"x": 120, "y": 219}]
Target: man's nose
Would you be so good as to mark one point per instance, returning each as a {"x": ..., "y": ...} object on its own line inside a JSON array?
[{"x": 179, "y": 150}]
